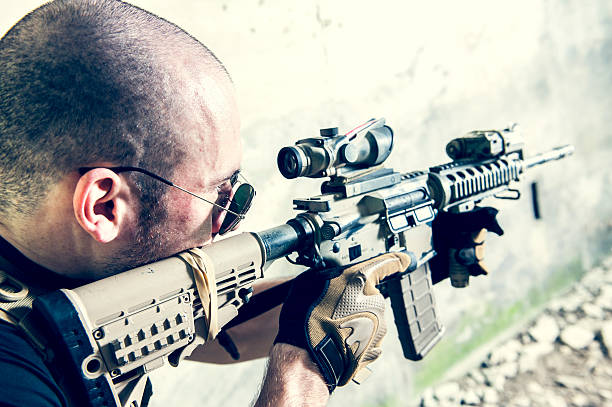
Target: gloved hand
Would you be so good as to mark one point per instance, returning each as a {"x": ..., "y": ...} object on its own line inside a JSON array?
[
  {"x": 337, "y": 316},
  {"x": 458, "y": 238}
]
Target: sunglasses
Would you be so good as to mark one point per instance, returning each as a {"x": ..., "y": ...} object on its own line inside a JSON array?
[{"x": 239, "y": 194}]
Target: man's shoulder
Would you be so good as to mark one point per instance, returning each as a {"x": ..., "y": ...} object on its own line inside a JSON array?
[{"x": 24, "y": 378}]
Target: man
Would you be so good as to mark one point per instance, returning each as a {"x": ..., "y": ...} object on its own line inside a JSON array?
[{"x": 98, "y": 84}]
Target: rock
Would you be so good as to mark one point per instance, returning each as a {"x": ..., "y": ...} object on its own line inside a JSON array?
[
  {"x": 570, "y": 318},
  {"x": 584, "y": 294},
  {"x": 594, "y": 360},
  {"x": 469, "y": 382},
  {"x": 555, "y": 305},
  {"x": 508, "y": 370},
  {"x": 495, "y": 378},
  {"x": 508, "y": 352},
  {"x": 470, "y": 398},
  {"x": 520, "y": 401},
  {"x": 527, "y": 364},
  {"x": 561, "y": 321},
  {"x": 606, "y": 394},
  {"x": 537, "y": 349},
  {"x": 556, "y": 400},
  {"x": 525, "y": 338},
  {"x": 600, "y": 383},
  {"x": 530, "y": 354},
  {"x": 577, "y": 337},
  {"x": 605, "y": 290},
  {"x": 592, "y": 280},
  {"x": 490, "y": 396},
  {"x": 477, "y": 376},
  {"x": 604, "y": 300},
  {"x": 447, "y": 391},
  {"x": 545, "y": 329},
  {"x": 572, "y": 302},
  {"x": 570, "y": 382},
  {"x": 595, "y": 351},
  {"x": 534, "y": 388},
  {"x": 580, "y": 400},
  {"x": 592, "y": 310},
  {"x": 606, "y": 337},
  {"x": 564, "y": 358},
  {"x": 427, "y": 398}
]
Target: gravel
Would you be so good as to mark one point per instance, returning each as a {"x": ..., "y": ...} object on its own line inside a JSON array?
[{"x": 562, "y": 358}]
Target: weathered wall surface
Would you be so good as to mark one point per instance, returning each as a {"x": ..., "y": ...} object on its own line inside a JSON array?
[{"x": 435, "y": 71}]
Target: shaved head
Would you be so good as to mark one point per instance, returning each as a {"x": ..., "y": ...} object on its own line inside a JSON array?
[{"x": 86, "y": 82}]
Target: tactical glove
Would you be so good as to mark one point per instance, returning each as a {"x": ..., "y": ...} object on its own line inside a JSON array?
[
  {"x": 458, "y": 238},
  {"x": 337, "y": 315}
]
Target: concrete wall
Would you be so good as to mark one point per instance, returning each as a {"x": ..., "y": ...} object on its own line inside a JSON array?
[{"x": 435, "y": 70}]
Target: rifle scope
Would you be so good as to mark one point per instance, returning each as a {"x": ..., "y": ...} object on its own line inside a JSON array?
[{"x": 333, "y": 154}]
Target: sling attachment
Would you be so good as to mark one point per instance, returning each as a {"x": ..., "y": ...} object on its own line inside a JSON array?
[
  {"x": 11, "y": 289},
  {"x": 203, "y": 269},
  {"x": 16, "y": 300}
]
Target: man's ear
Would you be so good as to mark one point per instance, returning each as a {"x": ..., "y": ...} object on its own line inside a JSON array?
[{"x": 97, "y": 205}]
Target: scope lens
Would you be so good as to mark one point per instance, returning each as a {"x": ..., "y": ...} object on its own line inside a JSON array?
[{"x": 290, "y": 162}]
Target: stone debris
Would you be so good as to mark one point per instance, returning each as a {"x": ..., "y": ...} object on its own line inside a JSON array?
[
  {"x": 494, "y": 378},
  {"x": 535, "y": 388},
  {"x": 606, "y": 337},
  {"x": 447, "y": 391},
  {"x": 520, "y": 401},
  {"x": 562, "y": 359},
  {"x": 604, "y": 300},
  {"x": 605, "y": 394},
  {"x": 554, "y": 399},
  {"x": 508, "y": 352},
  {"x": 471, "y": 398},
  {"x": 545, "y": 330},
  {"x": 577, "y": 337},
  {"x": 570, "y": 382},
  {"x": 531, "y": 353},
  {"x": 490, "y": 396},
  {"x": 477, "y": 376},
  {"x": 593, "y": 311},
  {"x": 427, "y": 399},
  {"x": 580, "y": 400}
]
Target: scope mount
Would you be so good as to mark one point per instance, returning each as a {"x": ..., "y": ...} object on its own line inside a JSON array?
[{"x": 360, "y": 181}]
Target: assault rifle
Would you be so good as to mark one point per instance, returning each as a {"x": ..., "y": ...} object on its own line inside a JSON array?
[{"x": 114, "y": 331}]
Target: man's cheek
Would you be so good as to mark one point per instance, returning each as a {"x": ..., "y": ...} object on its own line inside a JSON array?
[{"x": 197, "y": 224}]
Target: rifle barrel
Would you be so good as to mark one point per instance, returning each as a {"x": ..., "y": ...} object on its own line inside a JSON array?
[
  {"x": 283, "y": 240},
  {"x": 556, "y": 153}
]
